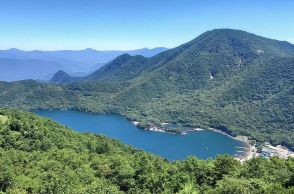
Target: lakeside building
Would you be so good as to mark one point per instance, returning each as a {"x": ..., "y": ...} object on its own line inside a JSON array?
[{"x": 279, "y": 151}]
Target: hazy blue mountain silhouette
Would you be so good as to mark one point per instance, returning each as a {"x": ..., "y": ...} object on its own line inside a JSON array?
[{"x": 16, "y": 64}]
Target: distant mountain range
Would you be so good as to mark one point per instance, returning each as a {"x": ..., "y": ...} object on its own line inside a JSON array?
[
  {"x": 227, "y": 79},
  {"x": 121, "y": 68},
  {"x": 41, "y": 65}
]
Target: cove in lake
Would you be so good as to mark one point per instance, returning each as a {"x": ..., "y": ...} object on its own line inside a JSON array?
[{"x": 202, "y": 144}]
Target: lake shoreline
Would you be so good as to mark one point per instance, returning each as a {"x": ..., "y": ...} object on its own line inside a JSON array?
[
  {"x": 248, "y": 152},
  {"x": 247, "y": 140},
  {"x": 165, "y": 144}
]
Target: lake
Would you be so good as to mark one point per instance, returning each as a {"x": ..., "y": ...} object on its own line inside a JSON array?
[{"x": 202, "y": 144}]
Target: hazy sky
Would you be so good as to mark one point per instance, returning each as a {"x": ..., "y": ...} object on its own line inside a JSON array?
[{"x": 132, "y": 24}]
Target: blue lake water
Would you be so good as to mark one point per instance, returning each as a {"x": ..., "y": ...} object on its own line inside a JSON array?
[{"x": 202, "y": 144}]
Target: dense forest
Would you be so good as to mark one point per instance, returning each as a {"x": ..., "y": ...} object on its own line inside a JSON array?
[
  {"x": 225, "y": 79},
  {"x": 38, "y": 155}
]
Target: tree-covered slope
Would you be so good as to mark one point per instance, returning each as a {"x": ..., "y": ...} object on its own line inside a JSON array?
[
  {"x": 38, "y": 155},
  {"x": 61, "y": 77},
  {"x": 123, "y": 67},
  {"x": 227, "y": 79}
]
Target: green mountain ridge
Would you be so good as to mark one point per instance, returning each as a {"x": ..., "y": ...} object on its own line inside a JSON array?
[
  {"x": 226, "y": 79},
  {"x": 122, "y": 68},
  {"x": 61, "y": 77}
]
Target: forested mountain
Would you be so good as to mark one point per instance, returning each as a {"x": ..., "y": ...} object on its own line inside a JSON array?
[
  {"x": 19, "y": 65},
  {"x": 226, "y": 79},
  {"x": 123, "y": 67},
  {"x": 38, "y": 155},
  {"x": 61, "y": 77}
]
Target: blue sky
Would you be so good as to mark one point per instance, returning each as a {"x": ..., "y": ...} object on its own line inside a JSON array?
[{"x": 132, "y": 24}]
